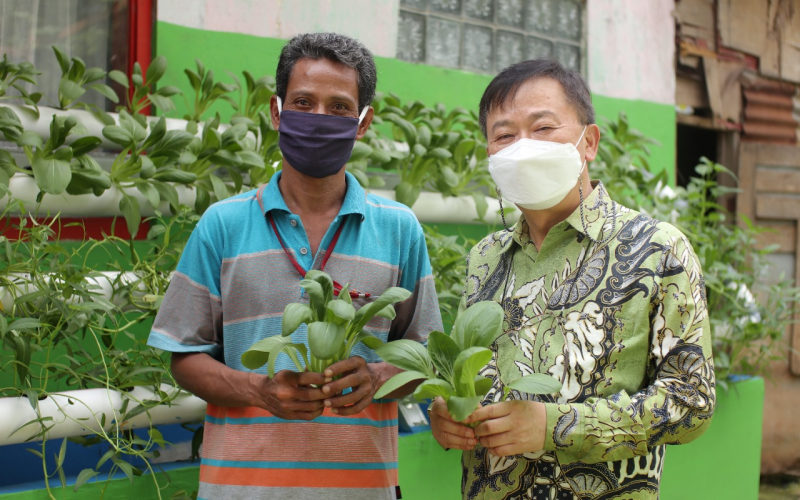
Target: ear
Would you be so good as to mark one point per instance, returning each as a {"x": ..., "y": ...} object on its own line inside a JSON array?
[
  {"x": 365, "y": 123},
  {"x": 592, "y": 139},
  {"x": 274, "y": 115}
]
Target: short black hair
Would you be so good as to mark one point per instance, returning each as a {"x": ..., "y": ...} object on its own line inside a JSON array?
[
  {"x": 332, "y": 46},
  {"x": 505, "y": 85}
]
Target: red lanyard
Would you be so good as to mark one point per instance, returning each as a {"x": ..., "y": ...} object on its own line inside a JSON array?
[{"x": 337, "y": 287}]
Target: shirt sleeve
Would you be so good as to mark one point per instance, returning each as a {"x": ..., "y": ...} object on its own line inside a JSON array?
[
  {"x": 419, "y": 314},
  {"x": 190, "y": 316},
  {"x": 677, "y": 404}
]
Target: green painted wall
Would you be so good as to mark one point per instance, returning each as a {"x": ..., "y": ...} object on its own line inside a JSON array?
[
  {"x": 654, "y": 120},
  {"x": 233, "y": 52},
  {"x": 725, "y": 462}
]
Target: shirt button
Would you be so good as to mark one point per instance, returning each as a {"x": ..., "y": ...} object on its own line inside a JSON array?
[
  {"x": 303, "y": 250},
  {"x": 293, "y": 223}
]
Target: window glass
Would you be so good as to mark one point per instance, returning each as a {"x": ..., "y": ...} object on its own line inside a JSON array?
[
  {"x": 488, "y": 35},
  {"x": 96, "y": 31}
]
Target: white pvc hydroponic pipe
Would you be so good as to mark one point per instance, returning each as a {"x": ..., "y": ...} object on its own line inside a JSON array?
[
  {"x": 434, "y": 207},
  {"x": 429, "y": 207},
  {"x": 24, "y": 189},
  {"x": 81, "y": 412},
  {"x": 102, "y": 283},
  {"x": 92, "y": 126}
]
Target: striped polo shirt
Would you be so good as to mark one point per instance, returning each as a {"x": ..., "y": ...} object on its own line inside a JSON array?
[{"x": 229, "y": 291}]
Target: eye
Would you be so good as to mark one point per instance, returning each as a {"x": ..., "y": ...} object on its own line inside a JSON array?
[
  {"x": 504, "y": 138},
  {"x": 302, "y": 102},
  {"x": 341, "y": 108}
]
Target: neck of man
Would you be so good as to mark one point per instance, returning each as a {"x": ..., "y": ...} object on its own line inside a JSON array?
[
  {"x": 312, "y": 196},
  {"x": 541, "y": 221}
]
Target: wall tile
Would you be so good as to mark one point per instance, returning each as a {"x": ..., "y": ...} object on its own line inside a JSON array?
[
  {"x": 411, "y": 37},
  {"x": 477, "y": 48},
  {"x": 509, "y": 49},
  {"x": 479, "y": 9},
  {"x": 442, "y": 41}
]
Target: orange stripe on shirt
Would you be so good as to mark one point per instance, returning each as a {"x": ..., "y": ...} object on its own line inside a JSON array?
[
  {"x": 289, "y": 478},
  {"x": 295, "y": 441}
]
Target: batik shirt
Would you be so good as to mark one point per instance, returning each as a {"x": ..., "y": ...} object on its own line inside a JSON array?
[
  {"x": 229, "y": 291},
  {"x": 613, "y": 305}
]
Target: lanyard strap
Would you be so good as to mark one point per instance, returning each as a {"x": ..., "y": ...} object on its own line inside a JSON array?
[{"x": 337, "y": 287}]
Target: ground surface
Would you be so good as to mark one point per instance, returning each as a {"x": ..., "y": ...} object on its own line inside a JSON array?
[{"x": 779, "y": 488}]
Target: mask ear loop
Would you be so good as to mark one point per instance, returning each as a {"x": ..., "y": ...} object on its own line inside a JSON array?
[
  {"x": 605, "y": 213},
  {"x": 363, "y": 114},
  {"x": 582, "y": 134},
  {"x": 502, "y": 210}
]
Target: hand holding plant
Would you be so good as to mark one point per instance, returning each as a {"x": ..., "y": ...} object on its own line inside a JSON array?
[
  {"x": 451, "y": 364},
  {"x": 334, "y": 326}
]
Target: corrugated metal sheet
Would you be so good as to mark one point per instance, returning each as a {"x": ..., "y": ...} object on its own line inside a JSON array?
[{"x": 770, "y": 111}]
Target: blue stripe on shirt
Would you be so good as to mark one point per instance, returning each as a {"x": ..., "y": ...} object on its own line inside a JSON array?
[{"x": 318, "y": 420}]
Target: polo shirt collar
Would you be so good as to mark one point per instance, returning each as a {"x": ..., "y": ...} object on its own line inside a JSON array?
[{"x": 355, "y": 198}]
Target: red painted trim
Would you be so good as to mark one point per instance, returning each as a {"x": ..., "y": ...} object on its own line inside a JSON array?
[
  {"x": 140, "y": 37},
  {"x": 77, "y": 228}
]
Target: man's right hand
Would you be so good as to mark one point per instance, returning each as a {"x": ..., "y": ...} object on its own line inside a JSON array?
[
  {"x": 287, "y": 395},
  {"x": 448, "y": 432},
  {"x": 291, "y": 395}
]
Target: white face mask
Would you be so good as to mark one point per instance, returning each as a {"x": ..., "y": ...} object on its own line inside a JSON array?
[{"x": 536, "y": 175}]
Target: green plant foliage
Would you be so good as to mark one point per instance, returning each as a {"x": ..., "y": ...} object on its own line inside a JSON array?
[
  {"x": 53, "y": 162},
  {"x": 335, "y": 326},
  {"x": 448, "y": 260},
  {"x": 207, "y": 91},
  {"x": 14, "y": 77},
  {"x": 142, "y": 90},
  {"x": 450, "y": 365},
  {"x": 429, "y": 148},
  {"x": 60, "y": 331},
  {"x": 76, "y": 79}
]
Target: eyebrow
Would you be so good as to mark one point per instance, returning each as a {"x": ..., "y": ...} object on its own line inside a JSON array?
[{"x": 536, "y": 115}]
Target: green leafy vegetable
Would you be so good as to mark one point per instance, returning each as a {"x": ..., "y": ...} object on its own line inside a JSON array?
[
  {"x": 334, "y": 326},
  {"x": 451, "y": 364}
]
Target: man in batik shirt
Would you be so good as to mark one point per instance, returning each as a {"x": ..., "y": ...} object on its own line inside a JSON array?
[{"x": 605, "y": 299}]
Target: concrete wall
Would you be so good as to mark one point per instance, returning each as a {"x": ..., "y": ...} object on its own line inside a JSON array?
[
  {"x": 629, "y": 52},
  {"x": 372, "y": 22},
  {"x": 631, "y": 49}
]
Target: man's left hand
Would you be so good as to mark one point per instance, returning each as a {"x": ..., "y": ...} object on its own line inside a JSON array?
[
  {"x": 355, "y": 373},
  {"x": 510, "y": 427}
]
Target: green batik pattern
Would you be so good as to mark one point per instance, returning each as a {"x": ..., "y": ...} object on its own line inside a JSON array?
[{"x": 613, "y": 305}]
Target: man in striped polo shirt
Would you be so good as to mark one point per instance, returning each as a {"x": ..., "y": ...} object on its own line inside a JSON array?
[{"x": 298, "y": 435}]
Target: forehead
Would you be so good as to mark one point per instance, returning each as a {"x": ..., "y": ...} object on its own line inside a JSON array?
[
  {"x": 543, "y": 95},
  {"x": 323, "y": 74}
]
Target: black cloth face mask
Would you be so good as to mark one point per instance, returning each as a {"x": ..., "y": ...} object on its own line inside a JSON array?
[{"x": 317, "y": 144}]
